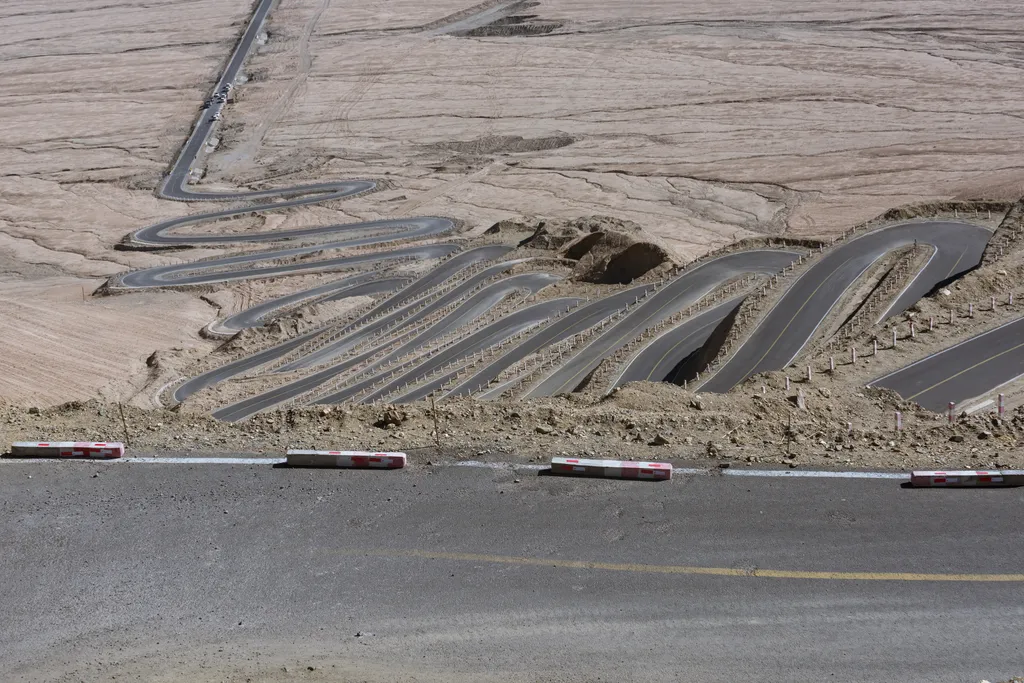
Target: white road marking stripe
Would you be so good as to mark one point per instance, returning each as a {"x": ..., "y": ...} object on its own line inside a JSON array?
[
  {"x": 981, "y": 406},
  {"x": 499, "y": 465},
  {"x": 204, "y": 461},
  {"x": 817, "y": 474}
]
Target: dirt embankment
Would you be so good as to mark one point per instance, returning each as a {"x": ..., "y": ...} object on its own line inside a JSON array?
[{"x": 642, "y": 421}]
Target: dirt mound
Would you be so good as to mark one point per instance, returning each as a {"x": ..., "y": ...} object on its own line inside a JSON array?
[
  {"x": 606, "y": 250},
  {"x": 607, "y": 256}
]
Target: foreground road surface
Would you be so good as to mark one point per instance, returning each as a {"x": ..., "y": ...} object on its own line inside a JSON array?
[{"x": 152, "y": 571}]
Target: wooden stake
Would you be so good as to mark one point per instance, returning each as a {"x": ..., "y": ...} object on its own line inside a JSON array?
[
  {"x": 437, "y": 426},
  {"x": 124, "y": 426}
]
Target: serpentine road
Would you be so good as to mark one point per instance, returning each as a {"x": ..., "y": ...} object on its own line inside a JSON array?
[
  {"x": 681, "y": 292},
  {"x": 383, "y": 338},
  {"x": 787, "y": 328}
]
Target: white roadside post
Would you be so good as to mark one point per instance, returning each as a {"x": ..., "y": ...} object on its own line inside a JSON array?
[
  {"x": 950, "y": 412},
  {"x": 1002, "y": 405},
  {"x": 899, "y": 422}
]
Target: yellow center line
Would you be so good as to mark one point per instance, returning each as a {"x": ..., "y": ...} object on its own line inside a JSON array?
[
  {"x": 976, "y": 365},
  {"x": 802, "y": 306},
  {"x": 686, "y": 570},
  {"x": 957, "y": 263}
]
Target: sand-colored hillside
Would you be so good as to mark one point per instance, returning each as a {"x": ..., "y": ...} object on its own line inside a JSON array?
[
  {"x": 700, "y": 123},
  {"x": 97, "y": 99}
]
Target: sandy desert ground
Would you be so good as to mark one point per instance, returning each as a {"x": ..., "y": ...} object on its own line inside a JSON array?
[{"x": 703, "y": 123}]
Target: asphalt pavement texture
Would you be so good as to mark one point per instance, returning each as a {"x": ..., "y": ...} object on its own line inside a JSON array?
[
  {"x": 452, "y": 571},
  {"x": 794, "y": 320},
  {"x": 962, "y": 372}
]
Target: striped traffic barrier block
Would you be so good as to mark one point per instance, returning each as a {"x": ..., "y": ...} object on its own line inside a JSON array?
[
  {"x": 968, "y": 478},
  {"x": 612, "y": 469},
  {"x": 67, "y": 449},
  {"x": 346, "y": 459}
]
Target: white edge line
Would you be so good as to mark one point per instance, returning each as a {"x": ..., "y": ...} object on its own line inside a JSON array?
[
  {"x": 947, "y": 350},
  {"x": 202, "y": 461},
  {"x": 819, "y": 474},
  {"x": 935, "y": 250},
  {"x": 979, "y": 406},
  {"x": 827, "y": 313},
  {"x": 669, "y": 330}
]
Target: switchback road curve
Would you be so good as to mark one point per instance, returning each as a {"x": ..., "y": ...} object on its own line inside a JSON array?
[
  {"x": 681, "y": 292},
  {"x": 787, "y": 328}
]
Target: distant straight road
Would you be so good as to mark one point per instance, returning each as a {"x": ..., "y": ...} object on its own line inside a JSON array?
[
  {"x": 462, "y": 574},
  {"x": 776, "y": 342}
]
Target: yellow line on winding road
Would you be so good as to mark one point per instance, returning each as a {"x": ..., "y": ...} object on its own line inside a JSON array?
[
  {"x": 976, "y": 365},
  {"x": 677, "y": 569}
]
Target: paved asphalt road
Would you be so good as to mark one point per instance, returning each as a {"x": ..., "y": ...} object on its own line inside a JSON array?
[
  {"x": 395, "y": 313},
  {"x": 175, "y": 186},
  {"x": 461, "y": 574},
  {"x": 459, "y": 319},
  {"x": 795, "y": 318},
  {"x": 227, "y": 269},
  {"x": 969, "y": 369},
  {"x": 657, "y": 361},
  {"x": 488, "y": 338},
  {"x": 403, "y": 343},
  {"x": 398, "y": 302},
  {"x": 681, "y": 292},
  {"x": 573, "y": 322},
  {"x": 363, "y": 284}
]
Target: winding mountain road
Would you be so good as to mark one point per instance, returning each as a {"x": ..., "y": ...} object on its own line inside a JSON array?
[
  {"x": 792, "y": 323},
  {"x": 679, "y": 293},
  {"x": 773, "y": 344}
]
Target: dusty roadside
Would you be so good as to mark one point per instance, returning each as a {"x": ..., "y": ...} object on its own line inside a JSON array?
[{"x": 640, "y": 421}]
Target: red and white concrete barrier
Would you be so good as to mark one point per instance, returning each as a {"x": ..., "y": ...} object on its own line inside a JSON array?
[
  {"x": 67, "y": 449},
  {"x": 347, "y": 459},
  {"x": 612, "y": 469},
  {"x": 968, "y": 478}
]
